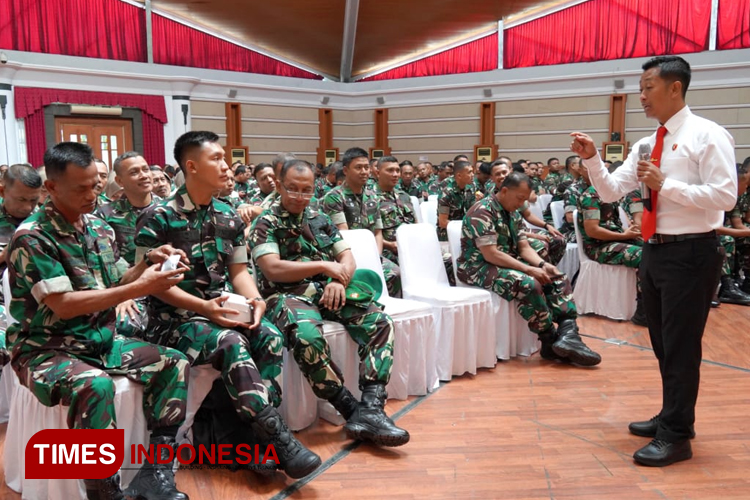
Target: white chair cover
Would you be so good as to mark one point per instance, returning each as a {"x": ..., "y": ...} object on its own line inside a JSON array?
[
  {"x": 570, "y": 263},
  {"x": 201, "y": 380},
  {"x": 558, "y": 213},
  {"x": 463, "y": 317},
  {"x": 544, "y": 201},
  {"x": 601, "y": 288},
  {"x": 8, "y": 380},
  {"x": 429, "y": 212},
  {"x": 513, "y": 335},
  {"x": 28, "y": 416},
  {"x": 535, "y": 209},
  {"x": 624, "y": 219},
  {"x": 432, "y": 197}
]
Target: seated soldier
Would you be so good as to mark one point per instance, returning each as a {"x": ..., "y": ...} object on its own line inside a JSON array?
[
  {"x": 497, "y": 257},
  {"x": 428, "y": 181},
  {"x": 191, "y": 317},
  {"x": 456, "y": 197},
  {"x": 133, "y": 174},
  {"x": 731, "y": 233},
  {"x": 162, "y": 185},
  {"x": 604, "y": 239},
  {"x": 304, "y": 267},
  {"x": 353, "y": 206},
  {"x": 227, "y": 194},
  {"x": 554, "y": 175},
  {"x": 395, "y": 205},
  {"x": 241, "y": 176},
  {"x": 264, "y": 178},
  {"x": 743, "y": 244},
  {"x": 103, "y": 173},
  {"x": 481, "y": 180},
  {"x": 21, "y": 190},
  {"x": 408, "y": 183},
  {"x": 570, "y": 205},
  {"x": 67, "y": 276},
  {"x": 372, "y": 181},
  {"x": 445, "y": 171},
  {"x": 633, "y": 206},
  {"x": 328, "y": 181}
]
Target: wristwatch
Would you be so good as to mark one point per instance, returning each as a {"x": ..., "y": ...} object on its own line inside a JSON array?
[
  {"x": 541, "y": 265},
  {"x": 258, "y": 299},
  {"x": 147, "y": 259}
]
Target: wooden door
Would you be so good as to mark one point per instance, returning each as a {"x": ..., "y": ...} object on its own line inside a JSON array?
[{"x": 108, "y": 137}]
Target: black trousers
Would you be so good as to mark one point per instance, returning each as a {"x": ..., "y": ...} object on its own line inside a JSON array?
[{"x": 678, "y": 281}]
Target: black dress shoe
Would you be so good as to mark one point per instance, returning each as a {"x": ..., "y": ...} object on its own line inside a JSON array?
[
  {"x": 659, "y": 453},
  {"x": 647, "y": 428}
]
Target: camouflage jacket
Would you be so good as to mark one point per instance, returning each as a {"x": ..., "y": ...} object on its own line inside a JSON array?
[
  {"x": 8, "y": 225},
  {"x": 48, "y": 255},
  {"x": 257, "y": 198},
  {"x": 455, "y": 202},
  {"x": 121, "y": 215},
  {"x": 307, "y": 237},
  {"x": 430, "y": 186},
  {"x": 488, "y": 223},
  {"x": 632, "y": 203},
  {"x": 536, "y": 184},
  {"x": 395, "y": 209},
  {"x": 739, "y": 210},
  {"x": 323, "y": 188},
  {"x": 243, "y": 187},
  {"x": 554, "y": 180},
  {"x": 358, "y": 211},
  {"x": 591, "y": 207},
  {"x": 212, "y": 236},
  {"x": 570, "y": 203},
  {"x": 414, "y": 189},
  {"x": 233, "y": 201}
]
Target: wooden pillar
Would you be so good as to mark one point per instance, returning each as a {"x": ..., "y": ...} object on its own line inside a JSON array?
[
  {"x": 486, "y": 131},
  {"x": 325, "y": 132},
  {"x": 617, "y": 110},
  {"x": 381, "y": 131},
  {"x": 234, "y": 124}
]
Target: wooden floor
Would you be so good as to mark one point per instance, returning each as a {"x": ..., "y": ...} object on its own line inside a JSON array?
[{"x": 530, "y": 429}]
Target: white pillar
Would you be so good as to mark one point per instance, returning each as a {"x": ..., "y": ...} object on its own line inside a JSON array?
[{"x": 9, "y": 146}]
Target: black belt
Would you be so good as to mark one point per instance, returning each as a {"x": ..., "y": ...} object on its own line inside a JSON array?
[{"x": 658, "y": 239}]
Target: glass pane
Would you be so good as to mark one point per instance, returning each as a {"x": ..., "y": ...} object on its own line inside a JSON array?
[
  {"x": 73, "y": 137},
  {"x": 104, "y": 138},
  {"x": 84, "y": 139},
  {"x": 105, "y": 147},
  {"x": 114, "y": 155},
  {"x": 113, "y": 141}
]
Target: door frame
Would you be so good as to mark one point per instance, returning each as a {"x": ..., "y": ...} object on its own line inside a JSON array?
[{"x": 63, "y": 110}]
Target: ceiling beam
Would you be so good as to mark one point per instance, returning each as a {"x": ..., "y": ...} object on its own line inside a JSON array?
[{"x": 350, "y": 33}]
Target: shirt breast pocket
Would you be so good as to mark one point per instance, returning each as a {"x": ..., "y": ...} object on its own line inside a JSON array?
[{"x": 679, "y": 169}]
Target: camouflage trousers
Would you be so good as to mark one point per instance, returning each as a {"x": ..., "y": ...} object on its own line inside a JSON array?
[
  {"x": 301, "y": 321},
  {"x": 392, "y": 275},
  {"x": 730, "y": 249},
  {"x": 551, "y": 251},
  {"x": 539, "y": 305},
  {"x": 137, "y": 327},
  {"x": 618, "y": 253},
  {"x": 250, "y": 361},
  {"x": 85, "y": 385}
]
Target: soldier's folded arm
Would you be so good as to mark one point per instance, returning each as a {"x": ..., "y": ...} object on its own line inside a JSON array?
[
  {"x": 492, "y": 254},
  {"x": 285, "y": 271},
  {"x": 594, "y": 230}
]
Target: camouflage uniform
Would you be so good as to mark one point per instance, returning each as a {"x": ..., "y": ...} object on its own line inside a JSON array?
[
  {"x": 488, "y": 223},
  {"x": 362, "y": 211},
  {"x": 232, "y": 201},
  {"x": 293, "y": 307},
  {"x": 322, "y": 188},
  {"x": 274, "y": 196},
  {"x": 734, "y": 260},
  {"x": 455, "y": 202},
  {"x": 570, "y": 204},
  {"x": 213, "y": 238},
  {"x": 70, "y": 361},
  {"x": 395, "y": 209},
  {"x": 8, "y": 225},
  {"x": 536, "y": 184},
  {"x": 551, "y": 251},
  {"x": 632, "y": 204},
  {"x": 243, "y": 187},
  {"x": 743, "y": 244},
  {"x": 414, "y": 189},
  {"x": 121, "y": 215},
  {"x": 430, "y": 186},
  {"x": 256, "y": 199},
  {"x": 615, "y": 253}
]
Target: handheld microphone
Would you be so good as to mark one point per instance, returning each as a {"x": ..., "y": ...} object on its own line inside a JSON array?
[{"x": 644, "y": 154}]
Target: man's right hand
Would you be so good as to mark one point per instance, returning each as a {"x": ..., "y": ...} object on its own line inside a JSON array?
[
  {"x": 154, "y": 281},
  {"x": 338, "y": 272},
  {"x": 632, "y": 232},
  {"x": 583, "y": 145},
  {"x": 214, "y": 310},
  {"x": 540, "y": 275}
]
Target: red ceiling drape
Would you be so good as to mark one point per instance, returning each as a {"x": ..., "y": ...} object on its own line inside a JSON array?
[
  {"x": 30, "y": 102},
  {"x": 479, "y": 55},
  {"x": 180, "y": 45},
  {"x": 105, "y": 29},
  {"x": 733, "y": 30},
  {"x": 610, "y": 29}
]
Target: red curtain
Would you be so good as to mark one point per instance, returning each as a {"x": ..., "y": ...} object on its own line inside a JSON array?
[
  {"x": 106, "y": 29},
  {"x": 610, "y": 29},
  {"x": 479, "y": 55},
  {"x": 30, "y": 102},
  {"x": 180, "y": 45},
  {"x": 734, "y": 25}
]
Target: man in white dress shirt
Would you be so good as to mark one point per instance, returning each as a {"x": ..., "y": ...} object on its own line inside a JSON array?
[{"x": 692, "y": 180}]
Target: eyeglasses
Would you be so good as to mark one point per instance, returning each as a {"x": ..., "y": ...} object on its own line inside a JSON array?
[{"x": 298, "y": 195}]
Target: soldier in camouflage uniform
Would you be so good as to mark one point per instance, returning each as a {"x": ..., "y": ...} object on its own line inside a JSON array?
[
  {"x": 303, "y": 267},
  {"x": 192, "y": 318},
  {"x": 428, "y": 181},
  {"x": 408, "y": 183},
  {"x": 633, "y": 206},
  {"x": 241, "y": 184},
  {"x": 495, "y": 255},
  {"x": 605, "y": 241},
  {"x": 456, "y": 197},
  {"x": 334, "y": 176},
  {"x": 162, "y": 185},
  {"x": 354, "y": 206},
  {"x": 734, "y": 232},
  {"x": 22, "y": 188},
  {"x": 482, "y": 179},
  {"x": 134, "y": 175},
  {"x": 66, "y": 276},
  {"x": 264, "y": 178},
  {"x": 570, "y": 205},
  {"x": 395, "y": 205}
]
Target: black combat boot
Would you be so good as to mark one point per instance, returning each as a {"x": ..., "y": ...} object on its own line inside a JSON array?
[
  {"x": 296, "y": 460},
  {"x": 639, "y": 318},
  {"x": 730, "y": 293},
  {"x": 746, "y": 284},
  {"x": 569, "y": 345},
  {"x": 547, "y": 338},
  {"x": 369, "y": 421},
  {"x": 344, "y": 402},
  {"x": 104, "y": 489},
  {"x": 156, "y": 481}
]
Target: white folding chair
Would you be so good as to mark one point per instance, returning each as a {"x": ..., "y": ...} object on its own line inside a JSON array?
[
  {"x": 544, "y": 201},
  {"x": 603, "y": 289},
  {"x": 8, "y": 379},
  {"x": 624, "y": 219},
  {"x": 463, "y": 317},
  {"x": 513, "y": 335},
  {"x": 535, "y": 209},
  {"x": 417, "y": 209},
  {"x": 432, "y": 197},
  {"x": 570, "y": 263},
  {"x": 429, "y": 212},
  {"x": 558, "y": 213}
]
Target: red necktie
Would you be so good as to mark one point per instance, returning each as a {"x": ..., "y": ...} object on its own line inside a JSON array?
[{"x": 648, "y": 224}]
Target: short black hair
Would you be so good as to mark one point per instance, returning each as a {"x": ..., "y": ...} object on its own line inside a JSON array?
[
  {"x": 57, "y": 158},
  {"x": 387, "y": 159},
  {"x": 746, "y": 162},
  {"x": 515, "y": 179},
  {"x": 742, "y": 169},
  {"x": 551, "y": 160},
  {"x": 460, "y": 166},
  {"x": 485, "y": 168},
  {"x": 155, "y": 168},
  {"x": 241, "y": 169},
  {"x": 352, "y": 154},
  {"x": 405, "y": 162},
  {"x": 261, "y": 167},
  {"x": 500, "y": 161},
  {"x": 458, "y": 157},
  {"x": 125, "y": 156},
  {"x": 296, "y": 164},
  {"x": 190, "y": 141},
  {"x": 672, "y": 69},
  {"x": 569, "y": 160},
  {"x": 23, "y": 172},
  {"x": 518, "y": 168}
]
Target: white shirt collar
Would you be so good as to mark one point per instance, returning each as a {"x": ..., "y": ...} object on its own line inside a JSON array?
[{"x": 674, "y": 123}]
